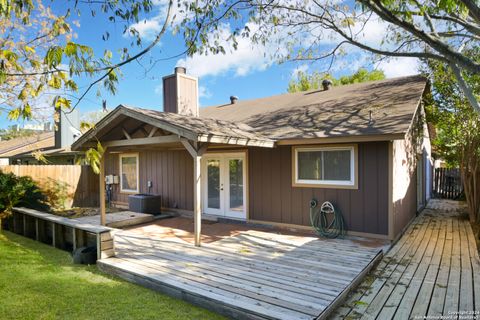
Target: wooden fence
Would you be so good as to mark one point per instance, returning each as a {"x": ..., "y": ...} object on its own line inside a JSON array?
[
  {"x": 79, "y": 183},
  {"x": 447, "y": 183}
]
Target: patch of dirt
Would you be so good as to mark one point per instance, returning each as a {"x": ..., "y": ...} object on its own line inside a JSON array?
[{"x": 77, "y": 212}]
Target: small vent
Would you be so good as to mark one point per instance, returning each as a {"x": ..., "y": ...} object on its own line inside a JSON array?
[
  {"x": 233, "y": 99},
  {"x": 327, "y": 84}
]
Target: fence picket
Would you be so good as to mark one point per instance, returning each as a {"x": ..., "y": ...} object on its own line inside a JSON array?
[{"x": 447, "y": 183}]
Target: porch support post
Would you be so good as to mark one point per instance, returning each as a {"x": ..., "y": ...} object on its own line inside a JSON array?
[
  {"x": 196, "y": 151},
  {"x": 103, "y": 216},
  {"x": 197, "y": 210}
]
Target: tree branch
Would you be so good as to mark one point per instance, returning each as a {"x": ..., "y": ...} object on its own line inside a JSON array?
[
  {"x": 465, "y": 87},
  {"x": 434, "y": 42},
  {"x": 138, "y": 55},
  {"x": 473, "y": 9}
]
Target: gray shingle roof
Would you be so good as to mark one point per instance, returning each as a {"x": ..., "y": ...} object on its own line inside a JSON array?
[
  {"x": 371, "y": 108},
  {"x": 203, "y": 126}
]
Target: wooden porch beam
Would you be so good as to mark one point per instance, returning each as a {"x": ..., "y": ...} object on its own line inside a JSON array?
[
  {"x": 196, "y": 151},
  {"x": 197, "y": 209},
  {"x": 126, "y": 134},
  {"x": 103, "y": 213},
  {"x": 193, "y": 148},
  {"x": 152, "y": 132},
  {"x": 142, "y": 141}
]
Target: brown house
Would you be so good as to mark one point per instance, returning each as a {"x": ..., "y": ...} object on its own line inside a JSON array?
[{"x": 363, "y": 147}]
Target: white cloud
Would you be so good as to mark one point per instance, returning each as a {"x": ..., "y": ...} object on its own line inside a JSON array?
[
  {"x": 398, "y": 67},
  {"x": 303, "y": 68},
  {"x": 246, "y": 59},
  {"x": 149, "y": 28},
  {"x": 158, "y": 89},
  {"x": 203, "y": 92}
]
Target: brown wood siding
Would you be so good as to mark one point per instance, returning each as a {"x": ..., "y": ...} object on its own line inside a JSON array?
[
  {"x": 170, "y": 172},
  {"x": 272, "y": 197}
]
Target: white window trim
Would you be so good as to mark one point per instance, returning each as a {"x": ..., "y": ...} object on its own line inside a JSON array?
[
  {"x": 129, "y": 155},
  {"x": 351, "y": 184}
]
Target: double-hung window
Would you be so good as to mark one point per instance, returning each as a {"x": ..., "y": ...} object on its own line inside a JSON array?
[
  {"x": 325, "y": 166},
  {"x": 129, "y": 172}
]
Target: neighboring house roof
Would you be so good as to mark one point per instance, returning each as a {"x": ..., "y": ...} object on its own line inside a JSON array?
[
  {"x": 371, "y": 108},
  {"x": 13, "y": 147}
]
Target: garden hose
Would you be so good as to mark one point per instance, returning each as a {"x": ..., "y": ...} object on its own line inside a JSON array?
[{"x": 319, "y": 218}]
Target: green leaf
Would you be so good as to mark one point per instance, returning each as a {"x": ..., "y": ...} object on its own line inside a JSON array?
[
  {"x": 62, "y": 103},
  {"x": 53, "y": 58},
  {"x": 55, "y": 82},
  {"x": 70, "y": 49},
  {"x": 3, "y": 77},
  {"x": 27, "y": 112},
  {"x": 29, "y": 49},
  {"x": 14, "y": 114}
]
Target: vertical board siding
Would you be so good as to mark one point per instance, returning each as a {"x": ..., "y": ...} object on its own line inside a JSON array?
[
  {"x": 404, "y": 184},
  {"x": 80, "y": 182},
  {"x": 272, "y": 197},
  {"x": 170, "y": 172}
]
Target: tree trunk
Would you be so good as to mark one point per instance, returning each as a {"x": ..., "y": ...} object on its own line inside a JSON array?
[{"x": 471, "y": 180}]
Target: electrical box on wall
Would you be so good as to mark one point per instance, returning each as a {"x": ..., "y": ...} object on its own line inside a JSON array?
[{"x": 109, "y": 179}]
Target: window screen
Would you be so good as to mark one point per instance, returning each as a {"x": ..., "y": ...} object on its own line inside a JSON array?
[
  {"x": 325, "y": 166},
  {"x": 129, "y": 178}
]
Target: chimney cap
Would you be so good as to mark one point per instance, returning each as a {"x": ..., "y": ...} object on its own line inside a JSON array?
[
  {"x": 180, "y": 70},
  {"x": 233, "y": 99}
]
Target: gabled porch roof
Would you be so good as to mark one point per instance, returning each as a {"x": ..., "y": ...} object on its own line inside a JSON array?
[{"x": 167, "y": 128}]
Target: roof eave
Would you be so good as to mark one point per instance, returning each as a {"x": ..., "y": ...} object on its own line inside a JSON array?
[
  {"x": 342, "y": 139},
  {"x": 265, "y": 143}
]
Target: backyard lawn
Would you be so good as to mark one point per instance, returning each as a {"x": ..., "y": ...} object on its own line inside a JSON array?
[{"x": 40, "y": 282}]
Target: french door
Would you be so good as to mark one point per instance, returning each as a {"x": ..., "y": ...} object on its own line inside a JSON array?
[{"x": 224, "y": 188}]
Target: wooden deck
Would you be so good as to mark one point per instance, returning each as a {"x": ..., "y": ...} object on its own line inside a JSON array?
[
  {"x": 433, "y": 270},
  {"x": 119, "y": 219},
  {"x": 252, "y": 275}
]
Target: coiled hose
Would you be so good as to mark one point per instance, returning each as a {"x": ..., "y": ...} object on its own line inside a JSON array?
[{"x": 319, "y": 219}]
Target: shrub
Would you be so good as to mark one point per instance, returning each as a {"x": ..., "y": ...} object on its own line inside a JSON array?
[
  {"x": 56, "y": 194},
  {"x": 19, "y": 191}
]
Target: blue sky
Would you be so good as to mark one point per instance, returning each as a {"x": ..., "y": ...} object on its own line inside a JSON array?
[{"x": 246, "y": 73}]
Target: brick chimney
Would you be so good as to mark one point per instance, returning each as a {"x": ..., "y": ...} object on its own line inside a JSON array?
[{"x": 180, "y": 93}]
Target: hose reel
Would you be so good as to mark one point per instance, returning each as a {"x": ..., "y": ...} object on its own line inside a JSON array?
[{"x": 326, "y": 221}]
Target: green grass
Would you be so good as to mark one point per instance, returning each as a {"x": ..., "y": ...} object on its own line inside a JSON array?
[{"x": 40, "y": 282}]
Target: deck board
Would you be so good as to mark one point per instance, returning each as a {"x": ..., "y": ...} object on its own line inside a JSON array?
[
  {"x": 434, "y": 270},
  {"x": 252, "y": 275}
]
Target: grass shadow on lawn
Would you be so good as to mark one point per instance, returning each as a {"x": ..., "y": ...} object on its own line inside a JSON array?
[{"x": 40, "y": 282}]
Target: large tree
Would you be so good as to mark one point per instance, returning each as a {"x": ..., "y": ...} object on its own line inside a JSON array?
[
  {"x": 42, "y": 63},
  {"x": 304, "y": 81},
  {"x": 458, "y": 127},
  {"x": 318, "y": 30}
]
